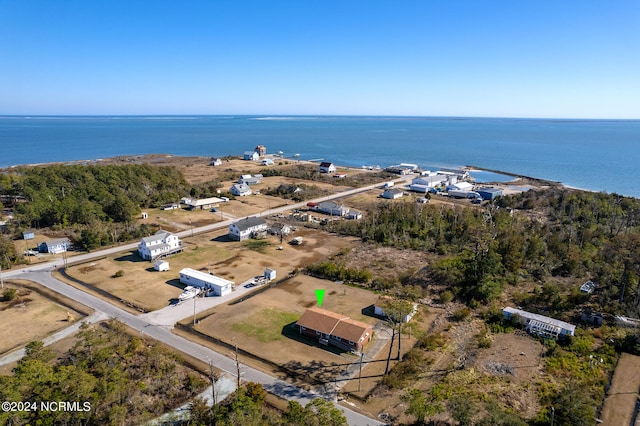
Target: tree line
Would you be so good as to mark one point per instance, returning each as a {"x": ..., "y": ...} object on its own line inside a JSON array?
[
  {"x": 527, "y": 237},
  {"x": 93, "y": 205}
]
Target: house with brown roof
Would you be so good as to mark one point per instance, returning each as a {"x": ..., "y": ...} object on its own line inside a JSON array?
[{"x": 334, "y": 329}]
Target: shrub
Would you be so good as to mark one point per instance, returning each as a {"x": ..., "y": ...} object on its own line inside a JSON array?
[
  {"x": 9, "y": 294},
  {"x": 446, "y": 296},
  {"x": 461, "y": 314},
  {"x": 118, "y": 274}
]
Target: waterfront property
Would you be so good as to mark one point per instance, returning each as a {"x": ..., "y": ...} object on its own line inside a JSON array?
[
  {"x": 539, "y": 324},
  {"x": 210, "y": 282},
  {"x": 158, "y": 245},
  {"x": 426, "y": 182},
  {"x": 460, "y": 186},
  {"x": 329, "y": 328},
  {"x": 489, "y": 193},
  {"x": 215, "y": 162},
  {"x": 246, "y": 228},
  {"x": 251, "y": 156},
  {"x": 326, "y": 167},
  {"x": 55, "y": 246}
]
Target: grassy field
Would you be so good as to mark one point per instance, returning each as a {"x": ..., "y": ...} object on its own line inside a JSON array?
[
  {"x": 33, "y": 314},
  {"x": 266, "y": 325}
]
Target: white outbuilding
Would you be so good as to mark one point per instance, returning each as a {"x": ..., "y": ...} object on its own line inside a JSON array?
[
  {"x": 219, "y": 286},
  {"x": 161, "y": 265}
]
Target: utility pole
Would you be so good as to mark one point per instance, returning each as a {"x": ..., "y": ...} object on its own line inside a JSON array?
[
  {"x": 194, "y": 310},
  {"x": 360, "y": 374},
  {"x": 237, "y": 366},
  {"x": 1, "y": 279},
  {"x": 213, "y": 376}
]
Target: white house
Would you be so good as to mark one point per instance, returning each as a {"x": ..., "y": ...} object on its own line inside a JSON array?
[
  {"x": 240, "y": 189},
  {"x": 199, "y": 279},
  {"x": 251, "y": 156},
  {"x": 161, "y": 265},
  {"x": 160, "y": 244},
  {"x": 215, "y": 162},
  {"x": 392, "y": 193},
  {"x": 55, "y": 246},
  {"x": 267, "y": 162},
  {"x": 247, "y": 228},
  {"x": 326, "y": 167},
  {"x": 332, "y": 208}
]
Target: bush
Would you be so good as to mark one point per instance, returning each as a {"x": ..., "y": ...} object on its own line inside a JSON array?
[
  {"x": 9, "y": 294},
  {"x": 446, "y": 296},
  {"x": 461, "y": 314},
  {"x": 118, "y": 274}
]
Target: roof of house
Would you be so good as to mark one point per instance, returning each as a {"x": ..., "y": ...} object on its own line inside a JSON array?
[
  {"x": 57, "y": 241},
  {"x": 328, "y": 322},
  {"x": 326, "y": 164},
  {"x": 394, "y": 191},
  {"x": 241, "y": 187},
  {"x": 156, "y": 238},
  {"x": 250, "y": 222}
]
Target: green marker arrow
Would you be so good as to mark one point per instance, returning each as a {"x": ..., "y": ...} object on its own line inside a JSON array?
[{"x": 320, "y": 296}]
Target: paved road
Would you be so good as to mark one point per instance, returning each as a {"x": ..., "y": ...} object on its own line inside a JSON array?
[
  {"x": 164, "y": 334},
  {"x": 153, "y": 327}
]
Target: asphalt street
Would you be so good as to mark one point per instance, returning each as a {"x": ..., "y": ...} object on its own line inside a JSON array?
[{"x": 159, "y": 325}]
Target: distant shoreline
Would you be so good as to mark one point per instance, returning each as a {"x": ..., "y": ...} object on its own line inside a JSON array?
[{"x": 156, "y": 158}]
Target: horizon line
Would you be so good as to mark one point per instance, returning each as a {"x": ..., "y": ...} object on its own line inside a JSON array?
[{"x": 317, "y": 115}]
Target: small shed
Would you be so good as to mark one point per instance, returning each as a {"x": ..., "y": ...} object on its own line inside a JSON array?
[
  {"x": 145, "y": 215},
  {"x": 28, "y": 234},
  {"x": 270, "y": 274},
  {"x": 215, "y": 162},
  {"x": 161, "y": 265}
]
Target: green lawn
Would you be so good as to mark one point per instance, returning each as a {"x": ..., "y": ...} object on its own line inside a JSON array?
[{"x": 267, "y": 325}]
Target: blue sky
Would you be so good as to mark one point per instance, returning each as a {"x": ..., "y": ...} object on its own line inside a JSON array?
[{"x": 574, "y": 59}]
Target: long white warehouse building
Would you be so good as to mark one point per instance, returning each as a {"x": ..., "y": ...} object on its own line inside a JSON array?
[{"x": 220, "y": 286}]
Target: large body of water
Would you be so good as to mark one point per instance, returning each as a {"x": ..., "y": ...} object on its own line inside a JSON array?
[{"x": 599, "y": 155}]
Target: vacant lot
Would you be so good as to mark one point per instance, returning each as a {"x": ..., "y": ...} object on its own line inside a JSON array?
[
  {"x": 623, "y": 395},
  {"x": 261, "y": 325},
  {"x": 33, "y": 314}
]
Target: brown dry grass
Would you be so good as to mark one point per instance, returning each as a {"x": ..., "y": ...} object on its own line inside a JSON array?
[
  {"x": 623, "y": 394},
  {"x": 33, "y": 314}
]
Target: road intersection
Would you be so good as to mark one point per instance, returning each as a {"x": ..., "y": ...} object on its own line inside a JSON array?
[{"x": 158, "y": 325}]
